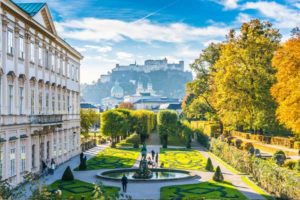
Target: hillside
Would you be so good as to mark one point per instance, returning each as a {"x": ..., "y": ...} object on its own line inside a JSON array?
[{"x": 170, "y": 83}]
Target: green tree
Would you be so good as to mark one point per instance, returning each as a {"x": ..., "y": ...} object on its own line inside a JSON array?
[
  {"x": 209, "y": 166},
  {"x": 166, "y": 125},
  {"x": 88, "y": 118},
  {"x": 243, "y": 76},
  {"x": 112, "y": 124},
  {"x": 198, "y": 91},
  {"x": 218, "y": 176}
]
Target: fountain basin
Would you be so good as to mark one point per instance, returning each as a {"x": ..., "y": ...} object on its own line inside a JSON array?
[{"x": 158, "y": 174}]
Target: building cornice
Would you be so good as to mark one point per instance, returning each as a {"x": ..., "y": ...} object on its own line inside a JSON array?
[{"x": 12, "y": 8}]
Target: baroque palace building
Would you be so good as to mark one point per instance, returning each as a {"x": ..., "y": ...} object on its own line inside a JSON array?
[{"x": 39, "y": 92}]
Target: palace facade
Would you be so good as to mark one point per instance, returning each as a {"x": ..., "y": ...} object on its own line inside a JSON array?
[{"x": 39, "y": 92}]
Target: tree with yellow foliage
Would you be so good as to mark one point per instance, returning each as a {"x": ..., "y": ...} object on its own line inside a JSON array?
[
  {"x": 243, "y": 76},
  {"x": 286, "y": 90}
]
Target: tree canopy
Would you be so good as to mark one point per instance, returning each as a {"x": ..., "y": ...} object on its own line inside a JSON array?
[{"x": 286, "y": 90}]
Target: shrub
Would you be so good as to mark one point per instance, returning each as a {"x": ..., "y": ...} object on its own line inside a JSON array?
[
  {"x": 209, "y": 166},
  {"x": 274, "y": 179},
  {"x": 257, "y": 153},
  {"x": 68, "y": 175},
  {"x": 247, "y": 146},
  {"x": 82, "y": 165},
  {"x": 290, "y": 164},
  {"x": 279, "y": 157},
  {"x": 218, "y": 176},
  {"x": 238, "y": 143}
]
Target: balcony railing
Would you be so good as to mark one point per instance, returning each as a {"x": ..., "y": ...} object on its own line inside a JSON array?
[{"x": 46, "y": 119}]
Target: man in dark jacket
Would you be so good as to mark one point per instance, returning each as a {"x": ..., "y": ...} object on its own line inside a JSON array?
[{"x": 124, "y": 183}]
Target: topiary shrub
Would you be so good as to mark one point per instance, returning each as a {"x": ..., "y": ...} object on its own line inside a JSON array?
[
  {"x": 251, "y": 151},
  {"x": 291, "y": 164},
  {"x": 238, "y": 143},
  {"x": 82, "y": 166},
  {"x": 218, "y": 176},
  {"x": 209, "y": 166},
  {"x": 68, "y": 175},
  {"x": 279, "y": 157}
]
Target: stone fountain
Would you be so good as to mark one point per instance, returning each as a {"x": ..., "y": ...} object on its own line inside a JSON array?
[{"x": 143, "y": 172}]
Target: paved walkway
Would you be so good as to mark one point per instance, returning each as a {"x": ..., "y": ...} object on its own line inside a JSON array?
[
  {"x": 292, "y": 153},
  {"x": 234, "y": 178},
  {"x": 148, "y": 190},
  {"x": 73, "y": 163}
]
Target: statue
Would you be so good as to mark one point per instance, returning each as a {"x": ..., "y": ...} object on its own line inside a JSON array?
[
  {"x": 143, "y": 172},
  {"x": 144, "y": 151}
]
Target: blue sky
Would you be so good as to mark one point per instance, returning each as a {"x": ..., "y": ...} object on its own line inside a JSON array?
[{"x": 107, "y": 32}]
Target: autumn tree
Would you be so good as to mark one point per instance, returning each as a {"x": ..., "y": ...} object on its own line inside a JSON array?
[
  {"x": 126, "y": 105},
  {"x": 243, "y": 76},
  {"x": 286, "y": 90}
]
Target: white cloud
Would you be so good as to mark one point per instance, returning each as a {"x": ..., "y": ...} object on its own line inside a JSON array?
[
  {"x": 101, "y": 49},
  {"x": 283, "y": 16},
  {"x": 93, "y": 29},
  {"x": 228, "y": 4},
  {"x": 242, "y": 18},
  {"x": 124, "y": 55},
  {"x": 208, "y": 42}
]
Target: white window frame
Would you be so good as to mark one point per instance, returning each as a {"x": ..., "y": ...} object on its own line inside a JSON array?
[
  {"x": 32, "y": 52},
  {"x": 23, "y": 158},
  {"x": 10, "y": 41},
  {"x": 12, "y": 158},
  {"x": 21, "y": 48}
]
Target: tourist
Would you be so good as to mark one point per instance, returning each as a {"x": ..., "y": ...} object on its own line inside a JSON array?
[
  {"x": 52, "y": 166},
  {"x": 153, "y": 154},
  {"x": 156, "y": 158},
  {"x": 124, "y": 183},
  {"x": 44, "y": 168}
]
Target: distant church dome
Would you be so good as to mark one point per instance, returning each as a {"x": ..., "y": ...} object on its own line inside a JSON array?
[{"x": 117, "y": 91}]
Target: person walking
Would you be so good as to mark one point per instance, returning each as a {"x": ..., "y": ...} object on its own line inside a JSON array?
[
  {"x": 156, "y": 159},
  {"x": 153, "y": 154},
  {"x": 124, "y": 183},
  {"x": 52, "y": 166}
]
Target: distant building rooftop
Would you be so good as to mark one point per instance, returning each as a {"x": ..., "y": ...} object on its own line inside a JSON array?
[{"x": 87, "y": 106}]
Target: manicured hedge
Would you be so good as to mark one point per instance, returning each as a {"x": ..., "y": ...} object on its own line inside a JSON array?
[
  {"x": 278, "y": 181},
  {"x": 208, "y": 128},
  {"x": 281, "y": 141}
]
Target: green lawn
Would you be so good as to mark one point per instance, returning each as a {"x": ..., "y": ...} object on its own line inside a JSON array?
[
  {"x": 205, "y": 190},
  {"x": 187, "y": 159},
  {"x": 78, "y": 188},
  {"x": 112, "y": 158}
]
